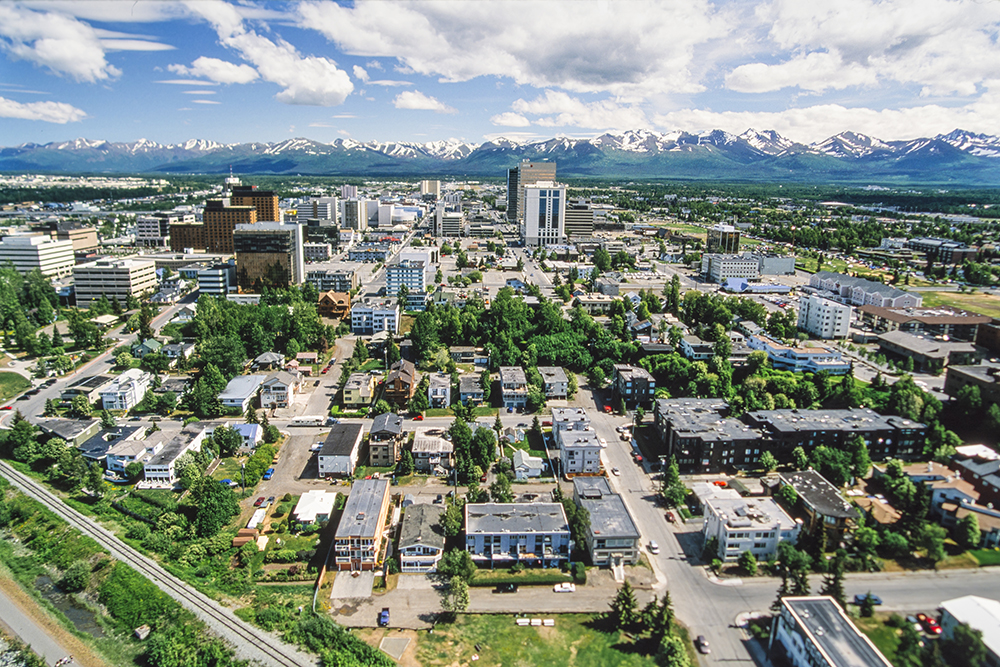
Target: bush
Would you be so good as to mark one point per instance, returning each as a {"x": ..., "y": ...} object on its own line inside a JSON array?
[
  {"x": 579, "y": 573},
  {"x": 529, "y": 578},
  {"x": 133, "y": 600},
  {"x": 76, "y": 577}
]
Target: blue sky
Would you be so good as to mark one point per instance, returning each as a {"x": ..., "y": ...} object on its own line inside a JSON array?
[{"x": 471, "y": 70}]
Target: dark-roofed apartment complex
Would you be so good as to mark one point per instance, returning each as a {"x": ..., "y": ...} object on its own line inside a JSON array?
[
  {"x": 504, "y": 533},
  {"x": 358, "y": 541},
  {"x": 822, "y": 502},
  {"x": 815, "y": 632}
]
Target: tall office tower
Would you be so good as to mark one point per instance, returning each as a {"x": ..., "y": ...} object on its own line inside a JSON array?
[
  {"x": 36, "y": 251},
  {"x": 348, "y": 192},
  {"x": 579, "y": 219},
  {"x": 544, "y": 214},
  {"x": 268, "y": 254},
  {"x": 447, "y": 221},
  {"x": 525, "y": 174},
  {"x": 187, "y": 236},
  {"x": 723, "y": 239},
  {"x": 321, "y": 208},
  {"x": 153, "y": 230},
  {"x": 355, "y": 213},
  {"x": 265, "y": 201},
  {"x": 221, "y": 219},
  {"x": 432, "y": 188}
]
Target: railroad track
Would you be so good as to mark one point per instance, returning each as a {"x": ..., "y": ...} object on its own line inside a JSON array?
[{"x": 250, "y": 642}]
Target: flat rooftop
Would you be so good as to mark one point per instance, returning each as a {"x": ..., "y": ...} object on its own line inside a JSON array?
[
  {"x": 493, "y": 518},
  {"x": 342, "y": 440},
  {"x": 361, "y": 516},
  {"x": 830, "y": 630}
]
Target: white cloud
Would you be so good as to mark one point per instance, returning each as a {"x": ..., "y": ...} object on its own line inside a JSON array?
[
  {"x": 50, "y": 112},
  {"x": 414, "y": 99},
  {"x": 510, "y": 119},
  {"x": 308, "y": 80},
  {"x": 217, "y": 70},
  {"x": 321, "y": 125},
  {"x": 199, "y": 92},
  {"x": 360, "y": 73},
  {"x": 134, "y": 45},
  {"x": 570, "y": 111},
  {"x": 187, "y": 82},
  {"x": 814, "y": 72},
  {"x": 56, "y": 41},
  {"x": 622, "y": 47},
  {"x": 389, "y": 83},
  {"x": 205, "y": 102}
]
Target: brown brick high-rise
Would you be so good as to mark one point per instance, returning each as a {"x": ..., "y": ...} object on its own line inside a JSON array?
[
  {"x": 265, "y": 201},
  {"x": 220, "y": 221}
]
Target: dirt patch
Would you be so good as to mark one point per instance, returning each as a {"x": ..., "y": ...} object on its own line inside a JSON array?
[{"x": 81, "y": 652}]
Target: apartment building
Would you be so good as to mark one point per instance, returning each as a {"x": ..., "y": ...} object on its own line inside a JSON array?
[
  {"x": 385, "y": 440},
  {"x": 810, "y": 357},
  {"x": 514, "y": 386},
  {"x": 409, "y": 273},
  {"x": 160, "y": 468},
  {"x": 861, "y": 292},
  {"x": 815, "y": 632},
  {"x": 359, "y": 540},
  {"x": 359, "y": 389},
  {"x": 368, "y": 318},
  {"x": 339, "y": 455},
  {"x": 823, "y": 318},
  {"x": 501, "y": 534},
  {"x": 742, "y": 524},
  {"x": 421, "y": 538},
  {"x": 333, "y": 280},
  {"x": 555, "y": 383},
  {"x": 126, "y": 390},
  {"x": 634, "y": 385},
  {"x": 114, "y": 278},
  {"x": 612, "y": 536}
]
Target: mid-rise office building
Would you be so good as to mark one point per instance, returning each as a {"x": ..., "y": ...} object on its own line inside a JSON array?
[
  {"x": 370, "y": 318},
  {"x": 83, "y": 237},
  {"x": 544, "y": 214},
  {"x": 823, "y": 318},
  {"x": 153, "y": 230},
  {"x": 432, "y": 188},
  {"x": 218, "y": 279},
  {"x": 447, "y": 221},
  {"x": 355, "y": 214},
  {"x": 579, "y": 219},
  {"x": 945, "y": 251},
  {"x": 719, "y": 268},
  {"x": 410, "y": 273},
  {"x": 188, "y": 236},
  {"x": 984, "y": 376},
  {"x": 268, "y": 254},
  {"x": 264, "y": 201},
  {"x": 34, "y": 251},
  {"x": 320, "y": 208},
  {"x": 113, "y": 278},
  {"x": 724, "y": 239},
  {"x": 348, "y": 192},
  {"x": 221, "y": 218},
  {"x": 944, "y": 321},
  {"x": 526, "y": 173}
]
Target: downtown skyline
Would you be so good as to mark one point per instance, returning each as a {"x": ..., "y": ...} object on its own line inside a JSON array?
[{"x": 473, "y": 71}]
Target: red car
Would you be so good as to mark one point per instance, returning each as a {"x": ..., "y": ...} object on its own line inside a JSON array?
[
  {"x": 418, "y": 418},
  {"x": 607, "y": 408},
  {"x": 670, "y": 517},
  {"x": 719, "y": 483},
  {"x": 7, "y": 407},
  {"x": 483, "y": 478},
  {"x": 258, "y": 502},
  {"x": 546, "y": 423},
  {"x": 929, "y": 623}
]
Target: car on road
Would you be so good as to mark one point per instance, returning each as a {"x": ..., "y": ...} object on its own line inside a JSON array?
[
  {"x": 876, "y": 600},
  {"x": 616, "y": 472},
  {"x": 546, "y": 423},
  {"x": 621, "y": 428},
  {"x": 654, "y": 548},
  {"x": 607, "y": 409},
  {"x": 418, "y": 418},
  {"x": 671, "y": 518},
  {"x": 7, "y": 407},
  {"x": 565, "y": 587},
  {"x": 269, "y": 473},
  {"x": 258, "y": 502},
  {"x": 483, "y": 478},
  {"x": 702, "y": 645},
  {"x": 505, "y": 588},
  {"x": 626, "y": 436},
  {"x": 439, "y": 499},
  {"x": 383, "y": 618}
]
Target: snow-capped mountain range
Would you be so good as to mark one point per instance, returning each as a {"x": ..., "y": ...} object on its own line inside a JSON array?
[{"x": 958, "y": 156}]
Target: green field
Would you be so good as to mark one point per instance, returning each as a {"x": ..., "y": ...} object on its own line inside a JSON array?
[
  {"x": 12, "y": 384},
  {"x": 986, "y": 557},
  {"x": 986, "y": 304},
  {"x": 886, "y": 639},
  {"x": 573, "y": 642}
]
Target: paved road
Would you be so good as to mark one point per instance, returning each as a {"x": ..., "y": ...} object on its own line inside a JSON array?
[
  {"x": 32, "y": 634},
  {"x": 249, "y": 642}
]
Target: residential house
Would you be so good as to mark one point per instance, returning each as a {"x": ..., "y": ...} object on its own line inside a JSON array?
[
  {"x": 741, "y": 524},
  {"x": 594, "y": 304},
  {"x": 431, "y": 452},
  {"x": 580, "y": 450},
  {"x": 385, "y": 440},
  {"x": 953, "y": 490},
  {"x": 127, "y": 390},
  {"x": 175, "y": 351},
  {"x": 358, "y": 542},
  {"x": 501, "y": 534},
  {"x": 981, "y": 468},
  {"x": 612, "y": 536},
  {"x": 335, "y": 305},
  {"x": 159, "y": 469},
  {"x": 339, "y": 454},
  {"x": 469, "y": 355},
  {"x": 527, "y": 466},
  {"x": 555, "y": 384},
  {"x": 421, "y": 538},
  {"x": 148, "y": 346},
  {"x": 315, "y": 506},
  {"x": 822, "y": 503},
  {"x": 988, "y": 519},
  {"x": 696, "y": 349},
  {"x": 514, "y": 385},
  {"x": 359, "y": 389},
  {"x": 439, "y": 390},
  {"x": 252, "y": 434},
  {"x": 278, "y": 390},
  {"x": 400, "y": 383},
  {"x": 126, "y": 444},
  {"x": 470, "y": 389},
  {"x": 268, "y": 361},
  {"x": 633, "y": 385},
  {"x": 240, "y": 391}
]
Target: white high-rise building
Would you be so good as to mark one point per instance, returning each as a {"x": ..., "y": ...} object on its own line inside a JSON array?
[
  {"x": 321, "y": 208},
  {"x": 431, "y": 188},
  {"x": 447, "y": 222},
  {"x": 355, "y": 214},
  {"x": 823, "y": 318},
  {"x": 29, "y": 252},
  {"x": 544, "y": 214},
  {"x": 349, "y": 191}
]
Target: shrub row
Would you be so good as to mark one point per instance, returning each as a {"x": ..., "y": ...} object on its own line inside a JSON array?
[{"x": 487, "y": 578}]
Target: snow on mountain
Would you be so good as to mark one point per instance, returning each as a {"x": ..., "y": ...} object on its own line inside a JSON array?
[
  {"x": 767, "y": 141},
  {"x": 850, "y": 145},
  {"x": 982, "y": 145}
]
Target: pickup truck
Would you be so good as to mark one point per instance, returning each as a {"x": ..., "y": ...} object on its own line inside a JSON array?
[{"x": 383, "y": 618}]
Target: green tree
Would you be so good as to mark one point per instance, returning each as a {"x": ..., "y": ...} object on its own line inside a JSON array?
[
  {"x": 95, "y": 479},
  {"x": 861, "y": 462},
  {"x": 767, "y": 462},
  {"x": 967, "y": 532},
  {"x": 800, "y": 458},
  {"x": 602, "y": 260},
  {"x": 108, "y": 420},
  {"x": 250, "y": 416},
  {"x": 965, "y": 647},
  {"x": 57, "y": 340},
  {"x": 133, "y": 471},
  {"x": 456, "y": 598},
  {"x": 80, "y": 408},
  {"x": 672, "y": 653},
  {"x": 748, "y": 563},
  {"x": 216, "y": 504},
  {"x": 485, "y": 381},
  {"x": 76, "y": 577},
  {"x": 833, "y": 581},
  {"x": 405, "y": 464},
  {"x": 624, "y": 611},
  {"x": 392, "y": 353},
  {"x": 931, "y": 539},
  {"x": 227, "y": 440},
  {"x": 867, "y": 608},
  {"x": 457, "y": 563},
  {"x": 500, "y": 489},
  {"x": 674, "y": 492},
  {"x": 381, "y": 407},
  {"x": 124, "y": 359},
  {"x": 452, "y": 518}
]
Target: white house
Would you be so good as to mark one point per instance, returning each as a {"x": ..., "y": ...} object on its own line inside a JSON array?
[
  {"x": 315, "y": 506},
  {"x": 159, "y": 468},
  {"x": 240, "y": 391},
  {"x": 125, "y": 392},
  {"x": 339, "y": 454},
  {"x": 421, "y": 538},
  {"x": 555, "y": 384},
  {"x": 527, "y": 466},
  {"x": 439, "y": 390},
  {"x": 278, "y": 390},
  {"x": 742, "y": 524}
]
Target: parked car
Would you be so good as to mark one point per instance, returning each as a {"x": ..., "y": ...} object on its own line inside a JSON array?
[
  {"x": 637, "y": 457},
  {"x": 258, "y": 502},
  {"x": 929, "y": 624},
  {"x": 383, "y": 618},
  {"x": 269, "y": 473},
  {"x": 876, "y": 600},
  {"x": 671, "y": 518},
  {"x": 702, "y": 645},
  {"x": 418, "y": 418},
  {"x": 270, "y": 501},
  {"x": 565, "y": 587},
  {"x": 7, "y": 407},
  {"x": 439, "y": 499},
  {"x": 505, "y": 588},
  {"x": 621, "y": 428},
  {"x": 654, "y": 548},
  {"x": 616, "y": 472}
]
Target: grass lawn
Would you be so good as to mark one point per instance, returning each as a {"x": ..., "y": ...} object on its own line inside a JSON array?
[
  {"x": 484, "y": 411},
  {"x": 886, "y": 639},
  {"x": 12, "y": 384},
  {"x": 371, "y": 365},
  {"x": 446, "y": 412},
  {"x": 573, "y": 642},
  {"x": 986, "y": 304},
  {"x": 438, "y": 412},
  {"x": 528, "y": 445},
  {"x": 229, "y": 468},
  {"x": 986, "y": 557}
]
